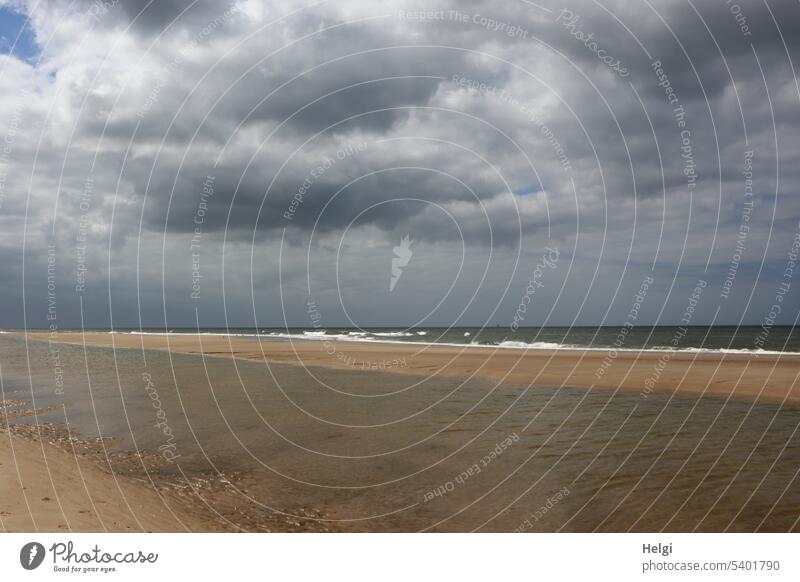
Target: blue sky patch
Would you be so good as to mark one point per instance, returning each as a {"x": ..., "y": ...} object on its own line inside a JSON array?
[
  {"x": 529, "y": 189},
  {"x": 16, "y": 35}
]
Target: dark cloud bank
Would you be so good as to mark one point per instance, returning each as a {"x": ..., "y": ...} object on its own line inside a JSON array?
[{"x": 157, "y": 154}]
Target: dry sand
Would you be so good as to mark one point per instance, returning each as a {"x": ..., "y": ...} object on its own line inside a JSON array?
[
  {"x": 53, "y": 481},
  {"x": 47, "y": 489},
  {"x": 769, "y": 377}
]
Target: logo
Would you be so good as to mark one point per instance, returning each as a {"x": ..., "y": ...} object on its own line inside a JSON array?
[
  {"x": 402, "y": 255},
  {"x": 31, "y": 555}
]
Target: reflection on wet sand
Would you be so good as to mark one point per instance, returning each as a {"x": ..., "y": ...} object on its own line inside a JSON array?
[{"x": 376, "y": 451}]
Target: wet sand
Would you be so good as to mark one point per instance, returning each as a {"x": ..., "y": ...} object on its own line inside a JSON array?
[
  {"x": 767, "y": 377},
  {"x": 387, "y": 437},
  {"x": 52, "y": 480}
]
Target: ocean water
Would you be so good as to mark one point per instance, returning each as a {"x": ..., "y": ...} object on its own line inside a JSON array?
[
  {"x": 394, "y": 452},
  {"x": 716, "y": 338}
]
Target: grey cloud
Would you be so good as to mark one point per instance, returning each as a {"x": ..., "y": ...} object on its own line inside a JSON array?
[{"x": 213, "y": 103}]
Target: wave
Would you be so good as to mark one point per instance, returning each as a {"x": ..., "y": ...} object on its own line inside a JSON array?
[
  {"x": 655, "y": 349},
  {"x": 533, "y": 345},
  {"x": 518, "y": 345},
  {"x": 396, "y": 337},
  {"x": 209, "y": 333}
]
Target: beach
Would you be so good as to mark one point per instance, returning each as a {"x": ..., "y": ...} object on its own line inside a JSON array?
[
  {"x": 229, "y": 433},
  {"x": 49, "y": 489},
  {"x": 750, "y": 375},
  {"x": 55, "y": 481}
]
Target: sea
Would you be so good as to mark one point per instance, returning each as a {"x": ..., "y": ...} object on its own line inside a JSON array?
[{"x": 776, "y": 339}]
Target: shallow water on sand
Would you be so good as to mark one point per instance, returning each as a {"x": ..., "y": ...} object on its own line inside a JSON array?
[{"x": 378, "y": 451}]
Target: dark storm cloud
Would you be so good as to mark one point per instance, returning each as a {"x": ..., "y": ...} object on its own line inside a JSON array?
[
  {"x": 543, "y": 142},
  {"x": 156, "y": 16},
  {"x": 326, "y": 189}
]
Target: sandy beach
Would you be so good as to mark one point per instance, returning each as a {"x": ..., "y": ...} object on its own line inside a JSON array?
[
  {"x": 54, "y": 481},
  {"x": 741, "y": 375},
  {"x": 194, "y": 433},
  {"x": 49, "y": 489}
]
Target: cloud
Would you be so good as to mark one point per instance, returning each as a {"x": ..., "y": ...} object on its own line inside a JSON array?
[{"x": 367, "y": 121}]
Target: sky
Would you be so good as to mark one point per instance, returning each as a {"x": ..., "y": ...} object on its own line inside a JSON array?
[
  {"x": 388, "y": 163},
  {"x": 16, "y": 37}
]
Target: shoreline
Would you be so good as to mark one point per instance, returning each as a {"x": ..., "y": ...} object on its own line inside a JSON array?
[
  {"x": 507, "y": 345},
  {"x": 48, "y": 487},
  {"x": 753, "y": 375},
  {"x": 53, "y": 481},
  {"x": 370, "y": 465},
  {"x": 356, "y": 339}
]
